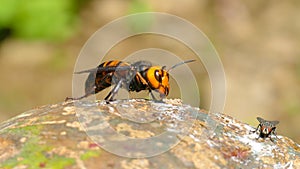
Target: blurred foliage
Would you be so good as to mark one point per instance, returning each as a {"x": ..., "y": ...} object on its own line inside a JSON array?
[
  {"x": 140, "y": 22},
  {"x": 137, "y": 6},
  {"x": 52, "y": 20}
]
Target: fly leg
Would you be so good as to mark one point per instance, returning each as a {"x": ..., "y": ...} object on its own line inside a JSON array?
[
  {"x": 274, "y": 133},
  {"x": 257, "y": 128}
]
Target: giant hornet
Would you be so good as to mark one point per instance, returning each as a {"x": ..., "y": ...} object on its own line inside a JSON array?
[
  {"x": 141, "y": 75},
  {"x": 266, "y": 128}
]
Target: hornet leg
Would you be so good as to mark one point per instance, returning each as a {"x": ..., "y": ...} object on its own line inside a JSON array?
[
  {"x": 78, "y": 98},
  {"x": 154, "y": 98},
  {"x": 113, "y": 92}
]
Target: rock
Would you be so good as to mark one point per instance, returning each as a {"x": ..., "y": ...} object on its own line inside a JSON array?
[{"x": 137, "y": 134}]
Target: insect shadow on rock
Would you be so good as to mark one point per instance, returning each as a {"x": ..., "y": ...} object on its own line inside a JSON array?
[
  {"x": 266, "y": 128},
  {"x": 141, "y": 75}
]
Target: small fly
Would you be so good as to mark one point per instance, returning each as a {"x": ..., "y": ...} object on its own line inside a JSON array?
[{"x": 266, "y": 128}]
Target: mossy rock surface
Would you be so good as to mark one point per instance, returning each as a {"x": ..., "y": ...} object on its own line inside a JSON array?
[{"x": 66, "y": 135}]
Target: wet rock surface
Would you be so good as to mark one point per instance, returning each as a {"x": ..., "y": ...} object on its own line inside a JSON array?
[{"x": 88, "y": 134}]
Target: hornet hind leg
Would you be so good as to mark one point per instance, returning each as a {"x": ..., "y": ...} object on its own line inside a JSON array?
[
  {"x": 113, "y": 92},
  {"x": 91, "y": 87}
]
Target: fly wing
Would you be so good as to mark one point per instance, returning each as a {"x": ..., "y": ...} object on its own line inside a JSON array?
[
  {"x": 261, "y": 120},
  {"x": 274, "y": 123}
]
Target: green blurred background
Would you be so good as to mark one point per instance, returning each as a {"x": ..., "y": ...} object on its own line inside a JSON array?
[{"x": 258, "y": 42}]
